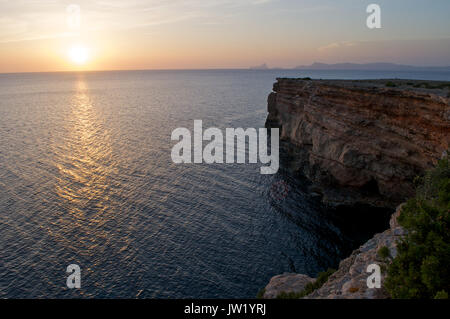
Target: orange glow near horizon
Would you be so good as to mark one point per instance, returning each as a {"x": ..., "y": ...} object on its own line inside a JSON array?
[{"x": 47, "y": 36}]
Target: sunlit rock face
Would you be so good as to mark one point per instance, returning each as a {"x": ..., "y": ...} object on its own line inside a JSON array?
[
  {"x": 361, "y": 141},
  {"x": 286, "y": 283}
]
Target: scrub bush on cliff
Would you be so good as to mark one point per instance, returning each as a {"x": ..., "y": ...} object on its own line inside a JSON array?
[{"x": 420, "y": 269}]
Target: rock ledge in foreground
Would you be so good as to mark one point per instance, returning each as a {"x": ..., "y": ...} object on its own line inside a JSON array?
[
  {"x": 287, "y": 282},
  {"x": 350, "y": 280}
]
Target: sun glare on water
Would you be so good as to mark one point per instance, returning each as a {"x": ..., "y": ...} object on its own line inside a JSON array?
[{"x": 78, "y": 54}]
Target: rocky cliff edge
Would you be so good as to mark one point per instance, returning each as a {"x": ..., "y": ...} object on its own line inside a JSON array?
[
  {"x": 350, "y": 280},
  {"x": 361, "y": 142}
]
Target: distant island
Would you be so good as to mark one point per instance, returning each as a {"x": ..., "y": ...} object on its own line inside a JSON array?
[
  {"x": 378, "y": 66},
  {"x": 260, "y": 67}
]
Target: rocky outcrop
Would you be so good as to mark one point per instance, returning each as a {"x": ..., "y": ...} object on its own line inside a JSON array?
[
  {"x": 287, "y": 282},
  {"x": 361, "y": 141},
  {"x": 350, "y": 280}
]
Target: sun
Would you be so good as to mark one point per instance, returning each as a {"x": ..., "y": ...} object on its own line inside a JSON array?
[{"x": 78, "y": 54}]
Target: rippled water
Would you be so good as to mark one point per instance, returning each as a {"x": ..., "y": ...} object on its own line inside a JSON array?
[{"x": 86, "y": 177}]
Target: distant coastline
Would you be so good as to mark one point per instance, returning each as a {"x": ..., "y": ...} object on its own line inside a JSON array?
[{"x": 378, "y": 66}]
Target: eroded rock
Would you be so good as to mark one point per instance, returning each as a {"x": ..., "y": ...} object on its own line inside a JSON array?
[
  {"x": 360, "y": 141},
  {"x": 287, "y": 282},
  {"x": 350, "y": 280}
]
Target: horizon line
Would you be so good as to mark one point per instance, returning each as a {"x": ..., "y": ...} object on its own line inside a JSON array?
[{"x": 250, "y": 68}]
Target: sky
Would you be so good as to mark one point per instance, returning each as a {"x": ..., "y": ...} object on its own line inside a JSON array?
[{"x": 44, "y": 35}]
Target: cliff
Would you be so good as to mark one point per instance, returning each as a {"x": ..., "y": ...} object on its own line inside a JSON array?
[
  {"x": 350, "y": 279},
  {"x": 361, "y": 142},
  {"x": 358, "y": 142}
]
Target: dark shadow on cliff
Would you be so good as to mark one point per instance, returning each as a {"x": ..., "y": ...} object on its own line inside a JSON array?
[{"x": 328, "y": 233}]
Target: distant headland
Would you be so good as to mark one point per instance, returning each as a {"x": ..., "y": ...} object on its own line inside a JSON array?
[{"x": 378, "y": 66}]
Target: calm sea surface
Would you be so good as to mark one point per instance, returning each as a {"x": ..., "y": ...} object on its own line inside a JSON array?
[{"x": 86, "y": 177}]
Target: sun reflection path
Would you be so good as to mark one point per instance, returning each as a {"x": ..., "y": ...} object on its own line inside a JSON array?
[{"x": 87, "y": 216}]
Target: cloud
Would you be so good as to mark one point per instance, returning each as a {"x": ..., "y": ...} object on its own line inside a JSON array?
[
  {"x": 22, "y": 20},
  {"x": 423, "y": 52},
  {"x": 336, "y": 45}
]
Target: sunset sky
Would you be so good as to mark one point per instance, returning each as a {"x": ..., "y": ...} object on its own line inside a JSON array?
[{"x": 189, "y": 34}]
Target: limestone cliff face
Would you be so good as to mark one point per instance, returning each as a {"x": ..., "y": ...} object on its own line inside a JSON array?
[{"x": 360, "y": 141}]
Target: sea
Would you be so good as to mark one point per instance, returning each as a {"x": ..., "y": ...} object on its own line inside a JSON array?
[{"x": 86, "y": 178}]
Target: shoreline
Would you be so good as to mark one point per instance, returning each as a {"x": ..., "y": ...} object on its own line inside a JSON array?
[{"x": 358, "y": 141}]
